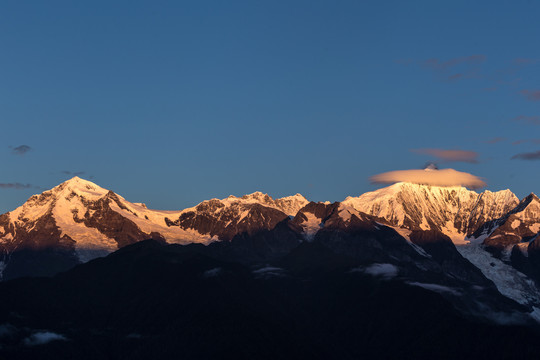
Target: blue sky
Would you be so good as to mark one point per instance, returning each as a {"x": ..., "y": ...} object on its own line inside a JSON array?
[{"x": 174, "y": 102}]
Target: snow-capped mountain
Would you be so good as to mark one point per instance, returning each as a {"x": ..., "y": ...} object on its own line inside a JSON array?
[
  {"x": 474, "y": 223},
  {"x": 84, "y": 221},
  {"x": 451, "y": 210},
  {"x": 463, "y": 244}
]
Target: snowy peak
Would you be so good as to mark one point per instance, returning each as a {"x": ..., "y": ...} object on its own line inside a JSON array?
[
  {"x": 71, "y": 191},
  {"x": 80, "y": 187},
  {"x": 451, "y": 210},
  {"x": 532, "y": 198},
  {"x": 528, "y": 208},
  {"x": 257, "y": 196},
  {"x": 335, "y": 216},
  {"x": 289, "y": 205}
]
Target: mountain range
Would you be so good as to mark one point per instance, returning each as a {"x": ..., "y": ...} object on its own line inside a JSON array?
[
  {"x": 404, "y": 271},
  {"x": 477, "y": 250}
]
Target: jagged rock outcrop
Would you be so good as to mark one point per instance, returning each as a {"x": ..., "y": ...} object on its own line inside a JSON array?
[{"x": 517, "y": 227}]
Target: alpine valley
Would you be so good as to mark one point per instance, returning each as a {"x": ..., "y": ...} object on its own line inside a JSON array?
[{"x": 408, "y": 271}]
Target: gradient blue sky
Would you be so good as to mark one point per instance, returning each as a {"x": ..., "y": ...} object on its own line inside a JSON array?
[{"x": 174, "y": 102}]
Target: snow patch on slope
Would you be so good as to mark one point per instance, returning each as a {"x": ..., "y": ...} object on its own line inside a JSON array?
[
  {"x": 311, "y": 226},
  {"x": 89, "y": 242},
  {"x": 510, "y": 282},
  {"x": 405, "y": 233},
  {"x": 149, "y": 221},
  {"x": 436, "y": 288}
]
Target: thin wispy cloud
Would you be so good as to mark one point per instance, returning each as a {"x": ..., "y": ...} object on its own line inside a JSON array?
[
  {"x": 466, "y": 67},
  {"x": 528, "y": 119},
  {"x": 508, "y": 80},
  {"x": 525, "y": 141},
  {"x": 16, "y": 186},
  {"x": 456, "y": 76},
  {"x": 20, "y": 150},
  {"x": 525, "y": 61},
  {"x": 445, "y": 177},
  {"x": 439, "y": 65},
  {"x": 531, "y": 95},
  {"x": 471, "y": 67},
  {"x": 472, "y": 74},
  {"x": 490, "y": 89},
  {"x": 43, "y": 337},
  {"x": 404, "y": 61},
  {"x": 450, "y": 155},
  {"x": 495, "y": 140},
  {"x": 527, "y": 156}
]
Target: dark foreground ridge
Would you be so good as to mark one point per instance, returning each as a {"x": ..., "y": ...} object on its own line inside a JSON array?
[{"x": 155, "y": 301}]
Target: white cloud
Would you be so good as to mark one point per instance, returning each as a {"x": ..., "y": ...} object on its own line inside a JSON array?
[
  {"x": 386, "y": 271},
  {"x": 42, "y": 337}
]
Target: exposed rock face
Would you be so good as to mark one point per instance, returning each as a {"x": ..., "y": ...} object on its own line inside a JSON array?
[
  {"x": 517, "y": 226},
  {"x": 513, "y": 237},
  {"x": 231, "y": 216},
  {"x": 312, "y": 217}
]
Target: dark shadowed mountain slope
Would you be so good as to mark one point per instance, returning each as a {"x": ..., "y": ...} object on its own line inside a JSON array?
[{"x": 154, "y": 301}]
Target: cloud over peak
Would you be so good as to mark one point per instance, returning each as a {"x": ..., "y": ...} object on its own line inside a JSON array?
[{"x": 444, "y": 177}]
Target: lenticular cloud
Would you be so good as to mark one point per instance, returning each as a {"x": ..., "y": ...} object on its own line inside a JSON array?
[{"x": 445, "y": 177}]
